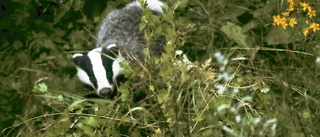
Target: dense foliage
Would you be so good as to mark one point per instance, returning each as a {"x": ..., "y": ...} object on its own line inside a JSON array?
[{"x": 230, "y": 68}]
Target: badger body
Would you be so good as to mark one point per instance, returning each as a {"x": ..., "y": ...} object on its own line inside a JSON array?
[{"x": 119, "y": 32}]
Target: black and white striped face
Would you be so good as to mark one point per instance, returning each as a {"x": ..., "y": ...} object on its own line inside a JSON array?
[{"x": 99, "y": 68}]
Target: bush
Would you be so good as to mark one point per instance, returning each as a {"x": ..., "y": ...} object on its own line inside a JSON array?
[{"x": 226, "y": 71}]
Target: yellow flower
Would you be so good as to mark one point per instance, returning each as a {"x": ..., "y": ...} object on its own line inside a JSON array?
[
  {"x": 284, "y": 25},
  {"x": 305, "y": 31},
  {"x": 291, "y": 7},
  {"x": 311, "y": 13},
  {"x": 292, "y": 1},
  {"x": 276, "y": 20},
  {"x": 314, "y": 27},
  {"x": 285, "y": 14},
  {"x": 304, "y": 5},
  {"x": 292, "y": 22}
]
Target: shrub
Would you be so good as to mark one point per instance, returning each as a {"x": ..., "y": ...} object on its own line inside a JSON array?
[{"x": 226, "y": 71}]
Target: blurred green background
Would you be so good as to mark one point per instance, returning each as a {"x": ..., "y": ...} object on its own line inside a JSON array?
[{"x": 277, "y": 68}]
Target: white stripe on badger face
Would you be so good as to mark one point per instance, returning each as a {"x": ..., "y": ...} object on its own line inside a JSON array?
[
  {"x": 82, "y": 75},
  {"x": 98, "y": 69},
  {"x": 116, "y": 69},
  {"x": 116, "y": 66}
]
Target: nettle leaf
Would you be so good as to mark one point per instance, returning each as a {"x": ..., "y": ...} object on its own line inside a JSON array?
[
  {"x": 154, "y": 21},
  {"x": 235, "y": 32},
  {"x": 124, "y": 88},
  {"x": 60, "y": 98},
  {"x": 250, "y": 25},
  {"x": 91, "y": 121},
  {"x": 143, "y": 22},
  {"x": 266, "y": 9},
  {"x": 86, "y": 129},
  {"x": 169, "y": 17},
  {"x": 161, "y": 96},
  {"x": 306, "y": 114},
  {"x": 278, "y": 36},
  {"x": 43, "y": 87},
  {"x": 145, "y": 52},
  {"x": 170, "y": 36},
  {"x": 234, "y": 11},
  {"x": 199, "y": 118},
  {"x": 165, "y": 58},
  {"x": 176, "y": 4},
  {"x": 75, "y": 105}
]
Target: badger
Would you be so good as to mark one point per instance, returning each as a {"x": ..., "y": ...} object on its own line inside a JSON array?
[{"x": 119, "y": 32}]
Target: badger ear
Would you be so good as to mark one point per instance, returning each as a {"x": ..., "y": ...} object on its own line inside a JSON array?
[
  {"x": 77, "y": 58},
  {"x": 113, "y": 48},
  {"x": 111, "y": 51}
]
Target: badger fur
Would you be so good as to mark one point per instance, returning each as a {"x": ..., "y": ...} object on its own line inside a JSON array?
[{"x": 119, "y": 32}]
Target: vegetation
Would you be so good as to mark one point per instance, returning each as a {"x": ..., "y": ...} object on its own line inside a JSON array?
[{"x": 230, "y": 68}]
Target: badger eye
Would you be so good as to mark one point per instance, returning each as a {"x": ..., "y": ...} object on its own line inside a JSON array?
[
  {"x": 92, "y": 79},
  {"x": 109, "y": 74}
]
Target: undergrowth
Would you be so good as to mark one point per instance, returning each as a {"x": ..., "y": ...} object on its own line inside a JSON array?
[{"x": 226, "y": 71}]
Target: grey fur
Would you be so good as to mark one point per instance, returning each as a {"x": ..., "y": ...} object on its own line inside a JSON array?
[{"x": 121, "y": 27}]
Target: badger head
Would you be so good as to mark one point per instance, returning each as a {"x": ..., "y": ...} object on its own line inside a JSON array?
[{"x": 99, "y": 68}]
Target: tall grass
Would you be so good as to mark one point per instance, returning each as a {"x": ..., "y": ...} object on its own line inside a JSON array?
[{"x": 227, "y": 70}]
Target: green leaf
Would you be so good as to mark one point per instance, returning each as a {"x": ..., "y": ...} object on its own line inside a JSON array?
[
  {"x": 306, "y": 114},
  {"x": 168, "y": 17},
  {"x": 235, "y": 32},
  {"x": 124, "y": 92},
  {"x": 143, "y": 23},
  {"x": 43, "y": 87},
  {"x": 176, "y": 4},
  {"x": 145, "y": 52},
  {"x": 75, "y": 104},
  {"x": 60, "y": 97},
  {"x": 151, "y": 88},
  {"x": 86, "y": 129},
  {"x": 277, "y": 36},
  {"x": 265, "y": 90},
  {"x": 162, "y": 96},
  {"x": 199, "y": 118},
  {"x": 91, "y": 121}
]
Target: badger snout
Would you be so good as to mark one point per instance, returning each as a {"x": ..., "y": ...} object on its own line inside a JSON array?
[{"x": 106, "y": 92}]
